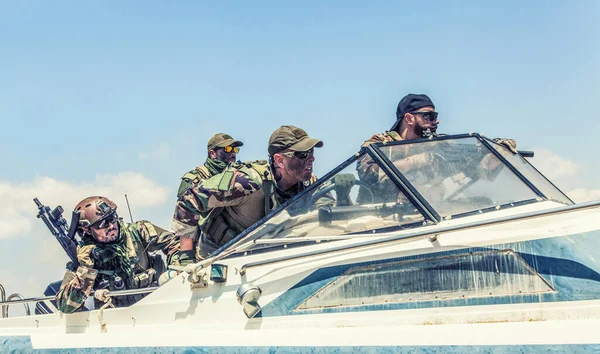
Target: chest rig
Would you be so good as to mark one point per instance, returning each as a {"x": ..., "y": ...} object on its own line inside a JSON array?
[{"x": 218, "y": 225}]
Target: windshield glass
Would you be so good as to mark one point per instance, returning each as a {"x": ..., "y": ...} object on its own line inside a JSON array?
[
  {"x": 341, "y": 204},
  {"x": 546, "y": 187},
  {"x": 458, "y": 175}
]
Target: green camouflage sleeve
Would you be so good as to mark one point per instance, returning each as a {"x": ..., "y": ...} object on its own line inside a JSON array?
[
  {"x": 188, "y": 180},
  {"x": 366, "y": 167},
  {"x": 75, "y": 289},
  {"x": 158, "y": 238},
  {"x": 185, "y": 184},
  {"x": 229, "y": 188}
]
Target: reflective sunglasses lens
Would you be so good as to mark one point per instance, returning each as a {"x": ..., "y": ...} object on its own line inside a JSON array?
[{"x": 229, "y": 149}]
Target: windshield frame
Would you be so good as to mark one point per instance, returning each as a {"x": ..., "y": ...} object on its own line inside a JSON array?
[{"x": 430, "y": 215}]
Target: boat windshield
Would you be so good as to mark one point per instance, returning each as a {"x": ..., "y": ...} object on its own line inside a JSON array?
[
  {"x": 457, "y": 176},
  {"x": 340, "y": 204},
  {"x": 404, "y": 185}
]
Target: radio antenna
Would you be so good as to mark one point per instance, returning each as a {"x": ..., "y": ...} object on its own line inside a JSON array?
[{"x": 128, "y": 208}]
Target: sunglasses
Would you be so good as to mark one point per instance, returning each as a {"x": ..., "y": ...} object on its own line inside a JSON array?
[
  {"x": 430, "y": 116},
  {"x": 230, "y": 148},
  {"x": 299, "y": 154},
  {"x": 106, "y": 221}
]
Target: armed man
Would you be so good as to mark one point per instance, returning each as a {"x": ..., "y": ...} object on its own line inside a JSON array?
[
  {"x": 113, "y": 255},
  {"x": 224, "y": 205},
  {"x": 222, "y": 150},
  {"x": 416, "y": 118}
]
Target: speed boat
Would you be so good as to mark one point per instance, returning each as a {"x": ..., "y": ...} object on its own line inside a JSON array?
[{"x": 446, "y": 244}]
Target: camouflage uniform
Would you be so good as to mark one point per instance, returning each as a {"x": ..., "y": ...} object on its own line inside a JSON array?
[
  {"x": 128, "y": 258},
  {"x": 226, "y": 204},
  {"x": 369, "y": 172},
  {"x": 211, "y": 167},
  {"x": 193, "y": 177}
]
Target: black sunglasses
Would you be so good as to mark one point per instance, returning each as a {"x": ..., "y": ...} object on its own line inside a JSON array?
[
  {"x": 300, "y": 154},
  {"x": 106, "y": 221},
  {"x": 430, "y": 116}
]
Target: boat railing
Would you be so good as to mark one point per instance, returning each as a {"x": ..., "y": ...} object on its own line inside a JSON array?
[
  {"x": 21, "y": 300},
  {"x": 20, "y": 297},
  {"x": 2, "y": 300}
]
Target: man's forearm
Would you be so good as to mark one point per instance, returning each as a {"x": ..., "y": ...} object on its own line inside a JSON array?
[{"x": 186, "y": 244}]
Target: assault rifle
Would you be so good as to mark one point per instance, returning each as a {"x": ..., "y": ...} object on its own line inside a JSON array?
[{"x": 58, "y": 226}]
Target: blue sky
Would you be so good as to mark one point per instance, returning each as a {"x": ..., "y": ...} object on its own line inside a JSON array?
[{"x": 93, "y": 93}]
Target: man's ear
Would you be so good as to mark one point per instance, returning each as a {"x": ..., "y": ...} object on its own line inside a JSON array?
[
  {"x": 409, "y": 119},
  {"x": 212, "y": 153},
  {"x": 278, "y": 160}
]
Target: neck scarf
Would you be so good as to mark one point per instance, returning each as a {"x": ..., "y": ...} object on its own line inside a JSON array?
[{"x": 215, "y": 166}]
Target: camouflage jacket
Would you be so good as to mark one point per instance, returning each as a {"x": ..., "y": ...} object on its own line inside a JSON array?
[
  {"x": 138, "y": 240},
  {"x": 196, "y": 175},
  {"x": 369, "y": 172},
  {"x": 226, "y": 204}
]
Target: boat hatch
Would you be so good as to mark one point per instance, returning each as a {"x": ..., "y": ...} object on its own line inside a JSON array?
[{"x": 463, "y": 276}]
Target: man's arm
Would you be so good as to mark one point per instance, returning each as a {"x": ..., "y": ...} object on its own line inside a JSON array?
[
  {"x": 229, "y": 188},
  {"x": 158, "y": 238},
  {"x": 77, "y": 286},
  {"x": 366, "y": 167},
  {"x": 188, "y": 180}
]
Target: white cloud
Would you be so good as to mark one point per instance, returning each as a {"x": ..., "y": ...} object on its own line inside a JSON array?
[
  {"x": 552, "y": 165},
  {"x": 17, "y": 210},
  {"x": 581, "y": 195},
  {"x": 160, "y": 152}
]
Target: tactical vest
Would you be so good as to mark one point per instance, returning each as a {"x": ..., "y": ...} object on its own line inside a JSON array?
[
  {"x": 146, "y": 268},
  {"x": 218, "y": 225},
  {"x": 193, "y": 177}
]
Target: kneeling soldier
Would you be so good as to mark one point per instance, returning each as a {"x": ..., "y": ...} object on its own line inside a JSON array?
[{"x": 114, "y": 255}]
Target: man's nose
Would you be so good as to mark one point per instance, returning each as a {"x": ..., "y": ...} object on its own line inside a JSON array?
[{"x": 311, "y": 158}]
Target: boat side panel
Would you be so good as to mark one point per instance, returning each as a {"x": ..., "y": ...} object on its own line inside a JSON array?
[{"x": 566, "y": 263}]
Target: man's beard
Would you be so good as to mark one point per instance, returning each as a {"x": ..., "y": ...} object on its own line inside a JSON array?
[{"x": 426, "y": 132}]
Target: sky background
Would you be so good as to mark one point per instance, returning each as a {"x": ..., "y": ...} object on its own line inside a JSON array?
[{"x": 116, "y": 97}]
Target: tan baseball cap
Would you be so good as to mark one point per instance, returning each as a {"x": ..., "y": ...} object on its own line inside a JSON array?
[
  {"x": 220, "y": 140},
  {"x": 293, "y": 138}
]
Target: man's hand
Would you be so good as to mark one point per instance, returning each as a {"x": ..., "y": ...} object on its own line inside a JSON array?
[
  {"x": 183, "y": 258},
  {"x": 413, "y": 162},
  {"x": 510, "y": 144}
]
